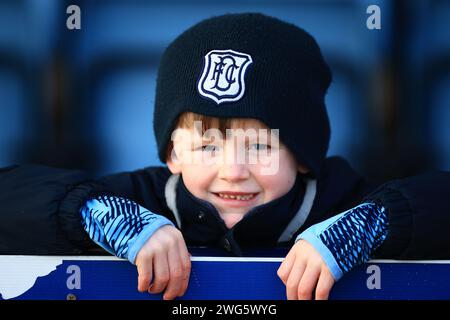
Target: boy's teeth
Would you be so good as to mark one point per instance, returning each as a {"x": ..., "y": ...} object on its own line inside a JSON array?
[{"x": 228, "y": 196}]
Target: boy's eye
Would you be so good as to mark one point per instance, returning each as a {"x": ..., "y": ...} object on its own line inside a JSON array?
[
  {"x": 209, "y": 148},
  {"x": 258, "y": 147}
]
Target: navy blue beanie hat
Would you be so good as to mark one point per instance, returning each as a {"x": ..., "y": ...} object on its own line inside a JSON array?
[{"x": 247, "y": 66}]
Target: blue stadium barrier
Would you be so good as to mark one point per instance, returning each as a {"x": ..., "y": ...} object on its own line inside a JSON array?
[{"x": 223, "y": 278}]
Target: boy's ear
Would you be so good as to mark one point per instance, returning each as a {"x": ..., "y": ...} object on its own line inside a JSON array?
[
  {"x": 172, "y": 161},
  {"x": 303, "y": 169}
]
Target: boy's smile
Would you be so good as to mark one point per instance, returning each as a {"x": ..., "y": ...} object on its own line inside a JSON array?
[
  {"x": 238, "y": 196},
  {"x": 211, "y": 170},
  {"x": 236, "y": 199}
]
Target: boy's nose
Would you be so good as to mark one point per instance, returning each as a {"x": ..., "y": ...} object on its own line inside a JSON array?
[
  {"x": 233, "y": 165},
  {"x": 233, "y": 172}
]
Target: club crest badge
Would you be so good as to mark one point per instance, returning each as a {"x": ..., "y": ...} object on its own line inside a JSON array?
[{"x": 223, "y": 75}]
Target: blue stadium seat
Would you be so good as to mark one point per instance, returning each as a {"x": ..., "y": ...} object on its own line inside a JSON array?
[
  {"x": 124, "y": 120},
  {"x": 12, "y": 117},
  {"x": 439, "y": 47},
  {"x": 28, "y": 28},
  {"x": 440, "y": 123},
  {"x": 429, "y": 52},
  {"x": 348, "y": 120},
  {"x": 27, "y": 35}
]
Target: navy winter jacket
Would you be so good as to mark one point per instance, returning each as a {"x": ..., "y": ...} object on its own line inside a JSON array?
[{"x": 40, "y": 205}]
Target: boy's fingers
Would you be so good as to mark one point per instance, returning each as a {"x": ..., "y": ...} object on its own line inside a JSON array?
[
  {"x": 185, "y": 257},
  {"x": 308, "y": 282},
  {"x": 286, "y": 266},
  {"x": 184, "y": 286},
  {"x": 324, "y": 285},
  {"x": 160, "y": 273},
  {"x": 144, "y": 275},
  {"x": 186, "y": 265},
  {"x": 294, "y": 279},
  {"x": 175, "y": 275}
]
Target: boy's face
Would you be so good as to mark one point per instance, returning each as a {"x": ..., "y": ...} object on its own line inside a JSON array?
[{"x": 246, "y": 167}]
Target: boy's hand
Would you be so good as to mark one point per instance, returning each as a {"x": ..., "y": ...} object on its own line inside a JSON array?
[
  {"x": 163, "y": 263},
  {"x": 303, "y": 271}
]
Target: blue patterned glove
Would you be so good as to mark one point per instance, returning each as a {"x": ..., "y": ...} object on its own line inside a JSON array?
[
  {"x": 120, "y": 226},
  {"x": 348, "y": 239}
]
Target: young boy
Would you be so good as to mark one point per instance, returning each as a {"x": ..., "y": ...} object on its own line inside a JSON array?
[{"x": 240, "y": 121}]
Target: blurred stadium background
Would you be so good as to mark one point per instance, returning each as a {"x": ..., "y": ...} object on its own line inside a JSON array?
[{"x": 84, "y": 98}]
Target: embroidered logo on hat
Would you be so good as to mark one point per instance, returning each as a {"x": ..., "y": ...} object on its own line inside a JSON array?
[{"x": 222, "y": 79}]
